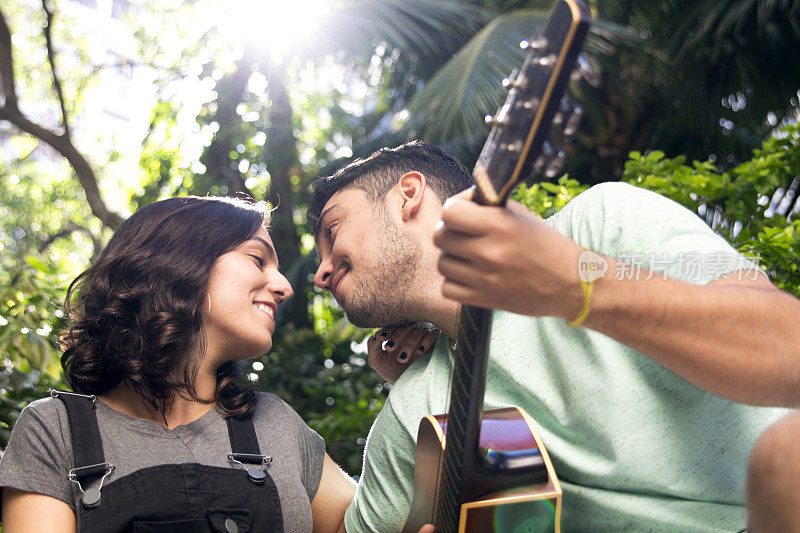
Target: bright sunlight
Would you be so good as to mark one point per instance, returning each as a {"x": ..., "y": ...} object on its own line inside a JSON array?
[{"x": 274, "y": 25}]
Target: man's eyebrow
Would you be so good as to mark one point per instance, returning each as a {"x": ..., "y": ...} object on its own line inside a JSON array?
[
  {"x": 318, "y": 223},
  {"x": 271, "y": 255}
]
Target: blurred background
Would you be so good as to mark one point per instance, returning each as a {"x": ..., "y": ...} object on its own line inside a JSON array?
[{"x": 108, "y": 105}]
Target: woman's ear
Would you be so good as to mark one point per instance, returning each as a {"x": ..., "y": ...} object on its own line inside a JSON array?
[{"x": 411, "y": 187}]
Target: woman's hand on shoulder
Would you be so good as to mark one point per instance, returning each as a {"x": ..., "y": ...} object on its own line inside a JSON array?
[
  {"x": 390, "y": 350},
  {"x": 31, "y": 512}
]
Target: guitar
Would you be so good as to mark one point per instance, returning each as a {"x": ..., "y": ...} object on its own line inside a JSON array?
[{"x": 494, "y": 473}]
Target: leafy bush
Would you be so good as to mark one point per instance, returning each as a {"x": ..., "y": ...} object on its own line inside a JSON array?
[{"x": 735, "y": 203}]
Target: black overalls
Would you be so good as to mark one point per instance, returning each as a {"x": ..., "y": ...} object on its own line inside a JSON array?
[{"x": 171, "y": 498}]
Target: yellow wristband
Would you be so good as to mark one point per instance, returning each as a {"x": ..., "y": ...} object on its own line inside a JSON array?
[{"x": 587, "y": 294}]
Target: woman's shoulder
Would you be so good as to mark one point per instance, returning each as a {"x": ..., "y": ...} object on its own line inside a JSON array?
[
  {"x": 48, "y": 411},
  {"x": 271, "y": 406},
  {"x": 275, "y": 413}
]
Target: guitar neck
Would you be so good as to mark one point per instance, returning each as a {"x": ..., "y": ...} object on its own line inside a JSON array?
[
  {"x": 515, "y": 142},
  {"x": 467, "y": 387}
]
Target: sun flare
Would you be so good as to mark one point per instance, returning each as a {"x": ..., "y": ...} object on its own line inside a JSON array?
[{"x": 276, "y": 25}]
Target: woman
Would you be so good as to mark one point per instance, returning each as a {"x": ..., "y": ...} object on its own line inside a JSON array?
[{"x": 164, "y": 435}]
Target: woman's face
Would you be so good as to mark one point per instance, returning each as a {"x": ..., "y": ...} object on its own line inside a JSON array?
[{"x": 244, "y": 291}]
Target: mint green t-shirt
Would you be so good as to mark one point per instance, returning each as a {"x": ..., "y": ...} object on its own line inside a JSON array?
[{"x": 635, "y": 446}]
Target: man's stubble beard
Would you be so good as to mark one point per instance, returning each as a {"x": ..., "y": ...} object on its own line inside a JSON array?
[{"x": 381, "y": 295}]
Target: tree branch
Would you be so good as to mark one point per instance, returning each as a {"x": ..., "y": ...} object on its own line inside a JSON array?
[
  {"x": 7, "y": 65},
  {"x": 68, "y": 230},
  {"x": 51, "y": 58},
  {"x": 60, "y": 143}
]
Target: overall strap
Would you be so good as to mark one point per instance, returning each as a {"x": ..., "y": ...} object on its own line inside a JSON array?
[
  {"x": 87, "y": 447},
  {"x": 244, "y": 445},
  {"x": 243, "y": 436},
  {"x": 86, "y": 444}
]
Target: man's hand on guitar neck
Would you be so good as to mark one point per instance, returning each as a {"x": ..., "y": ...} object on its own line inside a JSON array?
[
  {"x": 712, "y": 335},
  {"x": 507, "y": 258}
]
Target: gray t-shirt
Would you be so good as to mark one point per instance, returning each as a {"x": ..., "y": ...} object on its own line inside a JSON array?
[{"x": 39, "y": 454}]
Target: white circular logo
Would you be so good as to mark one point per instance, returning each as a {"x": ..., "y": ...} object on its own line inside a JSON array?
[{"x": 591, "y": 266}]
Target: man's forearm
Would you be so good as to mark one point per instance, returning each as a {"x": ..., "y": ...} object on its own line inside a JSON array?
[{"x": 736, "y": 338}]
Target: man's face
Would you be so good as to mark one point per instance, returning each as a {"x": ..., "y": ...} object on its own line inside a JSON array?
[{"x": 368, "y": 261}]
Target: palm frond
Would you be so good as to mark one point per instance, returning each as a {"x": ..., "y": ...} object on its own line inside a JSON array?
[
  {"x": 428, "y": 29},
  {"x": 450, "y": 109}
]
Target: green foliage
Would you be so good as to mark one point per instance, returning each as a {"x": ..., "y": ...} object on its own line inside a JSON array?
[
  {"x": 736, "y": 203},
  {"x": 30, "y": 321},
  {"x": 322, "y": 378},
  {"x": 545, "y": 198},
  {"x": 42, "y": 249}
]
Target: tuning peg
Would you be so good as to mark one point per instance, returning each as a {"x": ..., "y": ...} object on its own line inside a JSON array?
[
  {"x": 509, "y": 82},
  {"x": 513, "y": 147},
  {"x": 545, "y": 157},
  {"x": 492, "y": 120},
  {"x": 587, "y": 70},
  {"x": 536, "y": 45},
  {"x": 571, "y": 125},
  {"x": 530, "y": 105},
  {"x": 546, "y": 61},
  {"x": 568, "y": 117},
  {"x": 556, "y": 165}
]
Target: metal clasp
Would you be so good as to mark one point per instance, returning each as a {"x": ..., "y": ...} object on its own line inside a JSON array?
[
  {"x": 256, "y": 476},
  {"x": 54, "y": 393},
  {"x": 90, "y": 497}
]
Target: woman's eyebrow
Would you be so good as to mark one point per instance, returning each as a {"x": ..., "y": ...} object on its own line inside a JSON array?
[{"x": 271, "y": 255}]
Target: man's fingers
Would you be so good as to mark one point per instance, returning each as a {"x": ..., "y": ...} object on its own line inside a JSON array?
[
  {"x": 461, "y": 215},
  {"x": 463, "y": 294},
  {"x": 459, "y": 271},
  {"x": 456, "y": 243}
]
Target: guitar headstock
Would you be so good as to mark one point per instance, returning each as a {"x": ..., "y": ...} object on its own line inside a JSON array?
[{"x": 517, "y": 143}]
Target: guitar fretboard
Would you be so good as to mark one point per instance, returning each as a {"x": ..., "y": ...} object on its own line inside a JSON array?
[{"x": 466, "y": 404}]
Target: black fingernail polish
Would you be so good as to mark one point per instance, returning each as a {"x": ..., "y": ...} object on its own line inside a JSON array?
[
  {"x": 383, "y": 333},
  {"x": 403, "y": 356},
  {"x": 389, "y": 343}
]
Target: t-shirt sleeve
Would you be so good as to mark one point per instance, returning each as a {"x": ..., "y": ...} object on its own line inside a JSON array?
[
  {"x": 312, "y": 452},
  {"x": 37, "y": 459},
  {"x": 649, "y": 233},
  {"x": 383, "y": 495}
]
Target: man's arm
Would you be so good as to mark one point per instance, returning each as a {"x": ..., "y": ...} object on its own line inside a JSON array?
[{"x": 735, "y": 338}]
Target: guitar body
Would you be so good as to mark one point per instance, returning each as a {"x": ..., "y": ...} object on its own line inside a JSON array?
[{"x": 518, "y": 499}]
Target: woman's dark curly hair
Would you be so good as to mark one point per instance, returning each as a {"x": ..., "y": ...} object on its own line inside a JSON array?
[{"x": 136, "y": 314}]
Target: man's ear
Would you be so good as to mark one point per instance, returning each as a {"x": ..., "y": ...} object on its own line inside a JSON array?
[{"x": 411, "y": 188}]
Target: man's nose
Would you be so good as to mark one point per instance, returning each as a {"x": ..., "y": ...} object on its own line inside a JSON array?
[{"x": 323, "y": 275}]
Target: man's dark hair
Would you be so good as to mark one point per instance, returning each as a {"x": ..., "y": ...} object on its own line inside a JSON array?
[
  {"x": 137, "y": 313},
  {"x": 377, "y": 174}
]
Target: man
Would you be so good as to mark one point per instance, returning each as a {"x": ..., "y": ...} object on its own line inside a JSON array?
[{"x": 637, "y": 406}]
